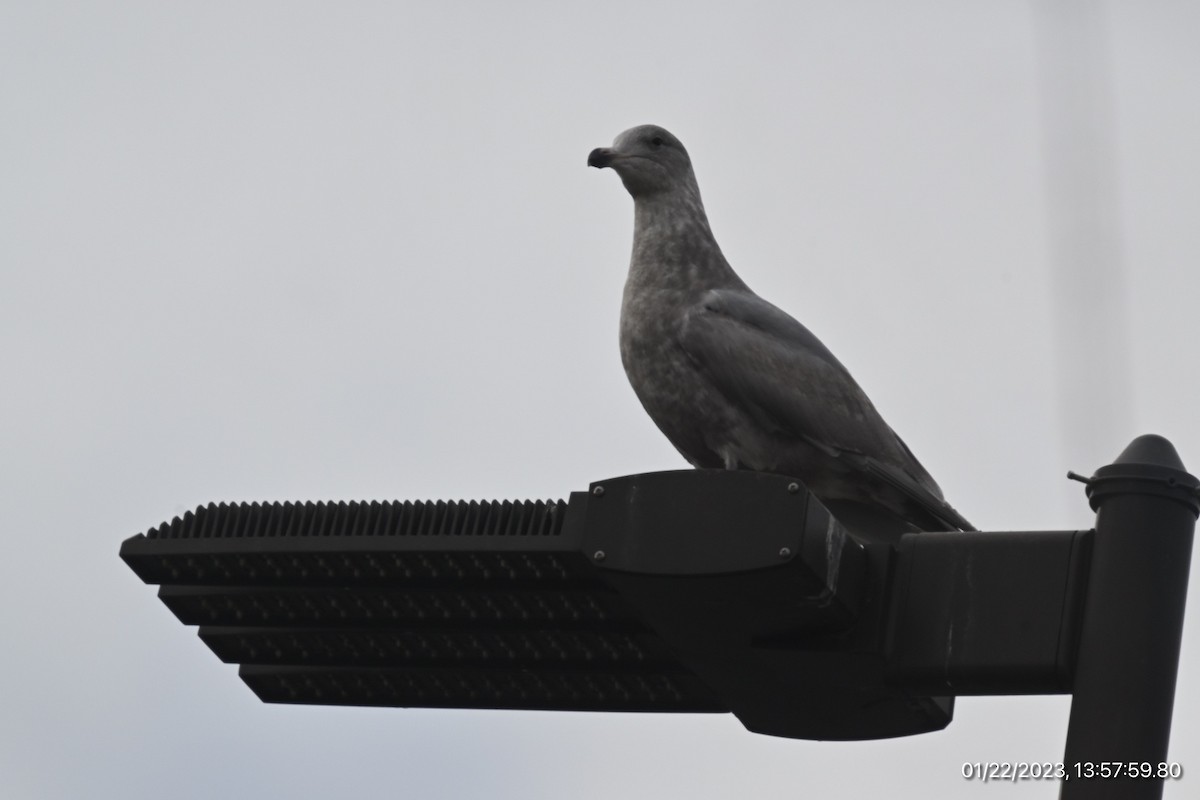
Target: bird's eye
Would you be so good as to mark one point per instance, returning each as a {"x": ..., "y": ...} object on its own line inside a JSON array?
[{"x": 657, "y": 141}]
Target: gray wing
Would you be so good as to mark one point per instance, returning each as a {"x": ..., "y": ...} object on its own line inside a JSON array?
[{"x": 777, "y": 371}]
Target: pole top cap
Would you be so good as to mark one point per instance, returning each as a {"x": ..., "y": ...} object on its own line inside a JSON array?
[
  {"x": 1149, "y": 465},
  {"x": 1153, "y": 450}
]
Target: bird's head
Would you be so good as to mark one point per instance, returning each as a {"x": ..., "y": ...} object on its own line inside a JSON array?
[{"x": 649, "y": 159}]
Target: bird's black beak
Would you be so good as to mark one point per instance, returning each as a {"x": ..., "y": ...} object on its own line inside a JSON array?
[{"x": 601, "y": 157}]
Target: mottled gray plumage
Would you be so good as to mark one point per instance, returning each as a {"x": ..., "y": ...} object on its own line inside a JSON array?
[{"x": 735, "y": 382}]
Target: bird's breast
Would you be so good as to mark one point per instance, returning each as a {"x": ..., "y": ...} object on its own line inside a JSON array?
[{"x": 677, "y": 397}]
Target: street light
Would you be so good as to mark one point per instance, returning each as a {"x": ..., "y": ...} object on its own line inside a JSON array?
[{"x": 704, "y": 591}]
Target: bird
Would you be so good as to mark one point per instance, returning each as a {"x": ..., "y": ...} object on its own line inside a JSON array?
[{"x": 733, "y": 381}]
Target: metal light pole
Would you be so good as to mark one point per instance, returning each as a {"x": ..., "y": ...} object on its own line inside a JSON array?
[{"x": 1146, "y": 507}]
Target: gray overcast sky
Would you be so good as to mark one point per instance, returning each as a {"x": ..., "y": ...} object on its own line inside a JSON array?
[{"x": 268, "y": 251}]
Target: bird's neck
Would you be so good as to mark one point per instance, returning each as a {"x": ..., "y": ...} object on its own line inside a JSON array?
[{"x": 674, "y": 247}]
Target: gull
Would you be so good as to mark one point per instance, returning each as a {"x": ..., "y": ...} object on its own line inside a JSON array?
[{"x": 736, "y": 383}]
